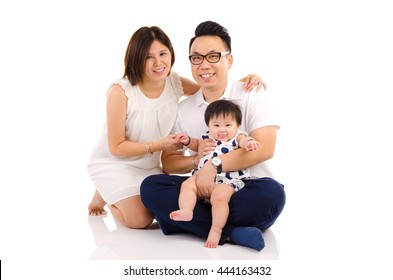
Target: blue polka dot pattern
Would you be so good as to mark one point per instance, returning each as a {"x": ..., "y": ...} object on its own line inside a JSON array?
[
  {"x": 224, "y": 150},
  {"x": 233, "y": 178}
]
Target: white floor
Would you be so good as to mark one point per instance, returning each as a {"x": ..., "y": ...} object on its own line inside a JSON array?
[
  {"x": 323, "y": 229},
  {"x": 114, "y": 241}
]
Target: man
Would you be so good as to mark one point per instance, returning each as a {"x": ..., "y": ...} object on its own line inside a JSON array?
[{"x": 257, "y": 206}]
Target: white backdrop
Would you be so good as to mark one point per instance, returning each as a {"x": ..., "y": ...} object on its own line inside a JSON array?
[{"x": 327, "y": 63}]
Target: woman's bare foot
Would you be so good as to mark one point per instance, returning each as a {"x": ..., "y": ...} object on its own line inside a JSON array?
[
  {"x": 181, "y": 215},
  {"x": 96, "y": 206},
  {"x": 213, "y": 238}
]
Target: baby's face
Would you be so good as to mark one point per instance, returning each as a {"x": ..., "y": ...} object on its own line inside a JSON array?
[{"x": 223, "y": 128}]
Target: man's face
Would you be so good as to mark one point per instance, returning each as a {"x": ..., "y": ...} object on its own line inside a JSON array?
[{"x": 210, "y": 75}]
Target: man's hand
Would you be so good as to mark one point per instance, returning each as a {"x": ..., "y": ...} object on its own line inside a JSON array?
[{"x": 206, "y": 178}]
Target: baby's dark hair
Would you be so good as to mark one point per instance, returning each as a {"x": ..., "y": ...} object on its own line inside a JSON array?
[{"x": 224, "y": 108}]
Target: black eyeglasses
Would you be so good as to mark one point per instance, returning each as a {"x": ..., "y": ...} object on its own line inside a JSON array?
[{"x": 212, "y": 57}]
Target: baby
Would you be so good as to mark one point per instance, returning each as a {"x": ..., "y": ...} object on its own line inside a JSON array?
[{"x": 223, "y": 118}]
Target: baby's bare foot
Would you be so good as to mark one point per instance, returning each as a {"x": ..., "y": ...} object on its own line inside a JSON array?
[
  {"x": 181, "y": 215},
  {"x": 213, "y": 238},
  {"x": 96, "y": 206}
]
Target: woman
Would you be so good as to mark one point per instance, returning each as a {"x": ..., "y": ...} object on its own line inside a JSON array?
[{"x": 141, "y": 111}]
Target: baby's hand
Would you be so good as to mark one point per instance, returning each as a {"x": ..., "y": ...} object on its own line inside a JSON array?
[
  {"x": 182, "y": 138},
  {"x": 252, "y": 145}
]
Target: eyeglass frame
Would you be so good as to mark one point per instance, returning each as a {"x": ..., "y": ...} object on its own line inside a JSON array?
[{"x": 205, "y": 57}]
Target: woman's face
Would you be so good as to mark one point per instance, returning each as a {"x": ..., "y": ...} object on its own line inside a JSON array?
[{"x": 158, "y": 62}]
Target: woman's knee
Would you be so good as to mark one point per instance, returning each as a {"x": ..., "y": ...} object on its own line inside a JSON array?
[
  {"x": 132, "y": 213},
  {"x": 140, "y": 222}
]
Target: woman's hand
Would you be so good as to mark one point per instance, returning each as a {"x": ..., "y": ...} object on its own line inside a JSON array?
[
  {"x": 251, "y": 81},
  {"x": 169, "y": 142}
]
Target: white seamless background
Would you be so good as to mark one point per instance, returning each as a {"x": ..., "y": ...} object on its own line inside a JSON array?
[{"x": 328, "y": 64}]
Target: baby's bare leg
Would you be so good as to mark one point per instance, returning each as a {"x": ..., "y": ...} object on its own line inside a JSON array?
[
  {"x": 214, "y": 237},
  {"x": 187, "y": 200},
  {"x": 219, "y": 200}
]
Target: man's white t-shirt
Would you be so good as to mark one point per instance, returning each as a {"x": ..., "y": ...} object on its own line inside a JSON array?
[{"x": 256, "y": 108}]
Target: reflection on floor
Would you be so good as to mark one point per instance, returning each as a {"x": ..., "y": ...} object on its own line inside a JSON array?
[{"x": 116, "y": 242}]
